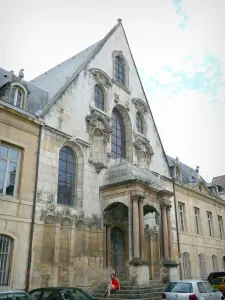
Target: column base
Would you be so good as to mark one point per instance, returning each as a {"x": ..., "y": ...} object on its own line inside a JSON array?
[
  {"x": 169, "y": 271},
  {"x": 139, "y": 271}
]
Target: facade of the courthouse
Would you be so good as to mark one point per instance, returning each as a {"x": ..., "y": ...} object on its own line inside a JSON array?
[{"x": 105, "y": 189}]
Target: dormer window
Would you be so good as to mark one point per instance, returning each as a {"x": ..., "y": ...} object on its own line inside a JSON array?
[
  {"x": 16, "y": 96},
  {"x": 120, "y": 70}
]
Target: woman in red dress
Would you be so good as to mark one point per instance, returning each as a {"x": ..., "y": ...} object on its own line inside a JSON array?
[{"x": 114, "y": 285}]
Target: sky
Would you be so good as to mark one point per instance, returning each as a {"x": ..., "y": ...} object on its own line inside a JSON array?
[{"x": 178, "y": 47}]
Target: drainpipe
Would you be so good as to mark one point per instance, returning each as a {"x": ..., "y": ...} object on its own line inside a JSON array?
[
  {"x": 33, "y": 216},
  {"x": 178, "y": 240}
]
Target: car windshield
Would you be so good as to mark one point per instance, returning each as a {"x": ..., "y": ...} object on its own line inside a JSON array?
[
  {"x": 179, "y": 287},
  {"x": 74, "y": 294}
]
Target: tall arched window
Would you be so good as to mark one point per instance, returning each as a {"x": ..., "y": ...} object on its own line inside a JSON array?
[
  {"x": 118, "y": 135},
  {"x": 99, "y": 97},
  {"x": 67, "y": 177},
  {"x": 119, "y": 70},
  {"x": 202, "y": 266},
  {"x": 140, "y": 122},
  {"x": 16, "y": 96},
  {"x": 6, "y": 244},
  {"x": 215, "y": 263},
  {"x": 186, "y": 265}
]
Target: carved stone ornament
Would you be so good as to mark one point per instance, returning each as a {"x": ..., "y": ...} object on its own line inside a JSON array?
[
  {"x": 142, "y": 145},
  {"x": 101, "y": 77},
  {"x": 127, "y": 105},
  {"x": 66, "y": 215},
  {"x": 140, "y": 105},
  {"x": 98, "y": 165},
  {"x": 116, "y": 98},
  {"x": 137, "y": 197},
  {"x": 98, "y": 121}
]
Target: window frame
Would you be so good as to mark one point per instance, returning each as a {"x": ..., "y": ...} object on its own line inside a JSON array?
[
  {"x": 197, "y": 220},
  {"x": 9, "y": 259},
  {"x": 8, "y": 160},
  {"x": 120, "y": 120},
  {"x": 140, "y": 120},
  {"x": 215, "y": 263},
  {"x": 182, "y": 228},
  {"x": 75, "y": 164},
  {"x": 202, "y": 265},
  {"x": 117, "y": 78},
  {"x": 210, "y": 223},
  {"x": 17, "y": 89},
  {"x": 103, "y": 97},
  {"x": 221, "y": 229}
]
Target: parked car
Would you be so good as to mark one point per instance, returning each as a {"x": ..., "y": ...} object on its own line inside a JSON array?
[
  {"x": 219, "y": 284},
  {"x": 61, "y": 293},
  {"x": 191, "y": 290},
  {"x": 14, "y": 295},
  {"x": 214, "y": 275}
]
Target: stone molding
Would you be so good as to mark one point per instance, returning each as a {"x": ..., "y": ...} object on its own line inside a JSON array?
[
  {"x": 98, "y": 165},
  {"x": 96, "y": 120},
  {"x": 54, "y": 214},
  {"x": 142, "y": 145},
  {"x": 140, "y": 105},
  {"x": 101, "y": 77}
]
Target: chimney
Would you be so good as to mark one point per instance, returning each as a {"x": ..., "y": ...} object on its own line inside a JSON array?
[{"x": 197, "y": 173}]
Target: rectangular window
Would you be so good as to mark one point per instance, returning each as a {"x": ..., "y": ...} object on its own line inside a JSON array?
[
  {"x": 220, "y": 221},
  {"x": 9, "y": 169},
  {"x": 181, "y": 216},
  {"x": 210, "y": 225},
  {"x": 197, "y": 220}
]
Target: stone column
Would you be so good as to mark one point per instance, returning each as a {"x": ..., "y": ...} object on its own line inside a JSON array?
[
  {"x": 165, "y": 233},
  {"x": 170, "y": 235},
  {"x": 135, "y": 226},
  {"x": 141, "y": 226}
]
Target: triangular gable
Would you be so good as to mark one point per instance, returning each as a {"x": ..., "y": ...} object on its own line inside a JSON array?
[{"x": 201, "y": 187}]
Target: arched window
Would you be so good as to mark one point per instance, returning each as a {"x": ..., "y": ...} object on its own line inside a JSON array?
[
  {"x": 186, "y": 265},
  {"x": 215, "y": 263},
  {"x": 99, "y": 97},
  {"x": 202, "y": 266},
  {"x": 119, "y": 70},
  {"x": 67, "y": 177},
  {"x": 140, "y": 122},
  {"x": 6, "y": 244},
  {"x": 16, "y": 96},
  {"x": 118, "y": 135}
]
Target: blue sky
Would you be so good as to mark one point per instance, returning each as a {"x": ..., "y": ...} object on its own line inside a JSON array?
[{"x": 177, "y": 45}]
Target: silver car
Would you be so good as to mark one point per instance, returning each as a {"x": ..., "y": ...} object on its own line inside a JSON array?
[
  {"x": 191, "y": 290},
  {"x": 14, "y": 295}
]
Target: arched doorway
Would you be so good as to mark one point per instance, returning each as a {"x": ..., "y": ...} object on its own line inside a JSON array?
[{"x": 118, "y": 251}]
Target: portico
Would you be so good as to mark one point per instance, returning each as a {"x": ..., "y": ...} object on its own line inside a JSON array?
[{"x": 129, "y": 249}]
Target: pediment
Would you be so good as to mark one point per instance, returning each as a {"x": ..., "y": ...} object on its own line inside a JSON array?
[
  {"x": 201, "y": 187},
  {"x": 101, "y": 77},
  {"x": 140, "y": 105}
]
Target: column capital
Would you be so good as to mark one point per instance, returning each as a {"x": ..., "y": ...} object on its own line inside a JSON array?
[{"x": 137, "y": 197}]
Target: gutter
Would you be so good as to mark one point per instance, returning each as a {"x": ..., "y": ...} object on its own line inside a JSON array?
[
  {"x": 33, "y": 216},
  {"x": 178, "y": 240}
]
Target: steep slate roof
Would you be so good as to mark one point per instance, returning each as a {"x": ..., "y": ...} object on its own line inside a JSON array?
[
  {"x": 186, "y": 171},
  {"x": 57, "y": 79},
  {"x": 36, "y": 99}
]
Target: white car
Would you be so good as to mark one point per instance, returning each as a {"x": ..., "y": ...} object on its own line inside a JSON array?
[
  {"x": 15, "y": 295},
  {"x": 191, "y": 290}
]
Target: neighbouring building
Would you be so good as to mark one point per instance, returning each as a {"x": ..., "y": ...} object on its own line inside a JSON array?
[
  {"x": 19, "y": 136},
  {"x": 200, "y": 216},
  {"x": 218, "y": 186}
]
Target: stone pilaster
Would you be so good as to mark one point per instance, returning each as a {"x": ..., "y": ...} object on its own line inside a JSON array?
[
  {"x": 135, "y": 226},
  {"x": 141, "y": 226}
]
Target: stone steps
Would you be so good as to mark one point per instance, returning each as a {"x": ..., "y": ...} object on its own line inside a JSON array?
[{"x": 129, "y": 291}]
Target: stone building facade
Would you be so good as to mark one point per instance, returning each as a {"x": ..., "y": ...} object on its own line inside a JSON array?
[
  {"x": 200, "y": 216},
  {"x": 101, "y": 205},
  {"x": 19, "y": 136}
]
